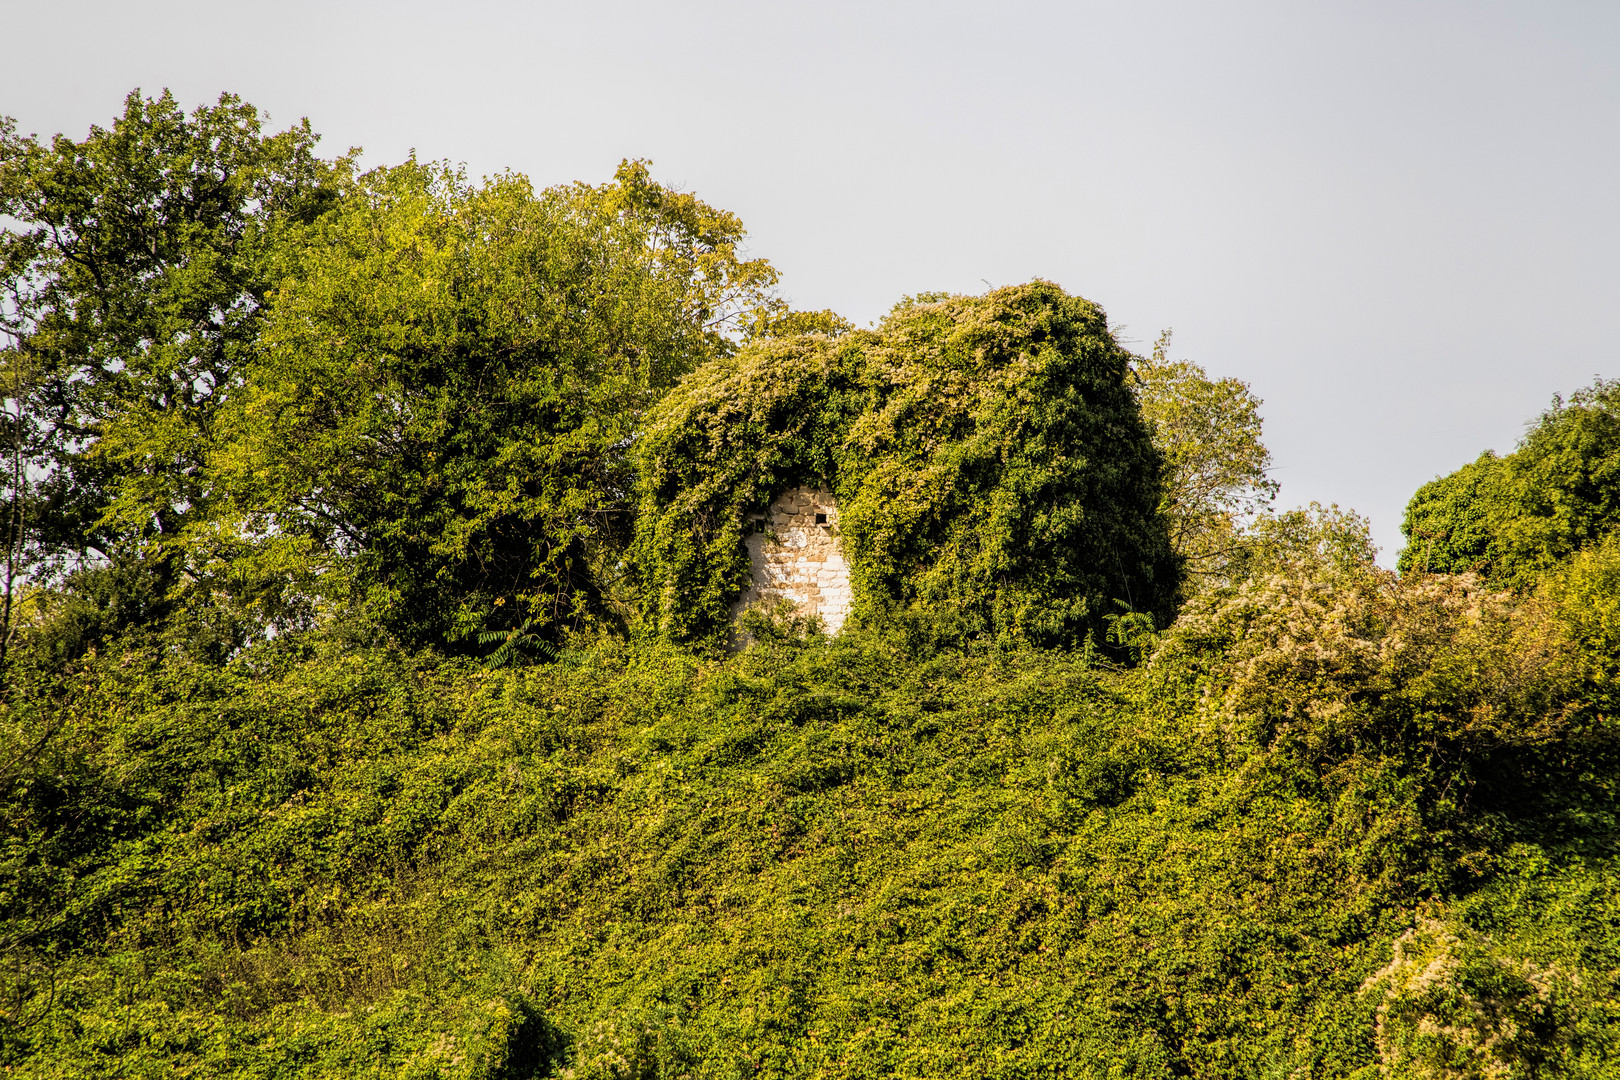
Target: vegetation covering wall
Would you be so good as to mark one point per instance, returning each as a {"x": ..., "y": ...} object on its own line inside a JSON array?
[{"x": 992, "y": 473}]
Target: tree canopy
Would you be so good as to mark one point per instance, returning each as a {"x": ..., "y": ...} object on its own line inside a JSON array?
[
  {"x": 1215, "y": 464},
  {"x": 1513, "y": 518},
  {"x": 136, "y": 280},
  {"x": 450, "y": 379},
  {"x": 259, "y": 389}
]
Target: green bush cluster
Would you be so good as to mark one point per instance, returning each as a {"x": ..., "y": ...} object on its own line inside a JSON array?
[
  {"x": 1513, "y": 518},
  {"x": 831, "y": 857},
  {"x": 993, "y": 476}
]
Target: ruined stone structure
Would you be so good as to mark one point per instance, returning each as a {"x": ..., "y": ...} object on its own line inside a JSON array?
[{"x": 796, "y": 557}]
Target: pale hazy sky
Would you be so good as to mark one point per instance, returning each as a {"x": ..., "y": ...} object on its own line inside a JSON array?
[{"x": 1397, "y": 221}]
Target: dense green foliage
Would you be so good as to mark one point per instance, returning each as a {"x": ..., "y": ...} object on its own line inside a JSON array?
[
  {"x": 450, "y": 377},
  {"x": 1216, "y": 467},
  {"x": 992, "y": 474},
  {"x": 274, "y": 390},
  {"x": 1511, "y": 518},
  {"x": 369, "y": 543},
  {"x": 829, "y": 858},
  {"x": 135, "y": 274},
  {"x": 137, "y": 284}
]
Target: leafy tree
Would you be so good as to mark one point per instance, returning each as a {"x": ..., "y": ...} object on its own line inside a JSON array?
[
  {"x": 993, "y": 475},
  {"x": 1450, "y": 522},
  {"x": 1216, "y": 466},
  {"x": 450, "y": 381},
  {"x": 1218, "y": 494},
  {"x": 136, "y": 270},
  {"x": 773, "y": 323},
  {"x": 21, "y": 437},
  {"x": 1321, "y": 539},
  {"x": 1514, "y": 518}
]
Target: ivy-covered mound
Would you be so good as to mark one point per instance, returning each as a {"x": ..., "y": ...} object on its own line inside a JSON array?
[{"x": 992, "y": 472}]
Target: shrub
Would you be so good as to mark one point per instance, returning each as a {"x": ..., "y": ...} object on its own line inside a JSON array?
[{"x": 1514, "y": 518}]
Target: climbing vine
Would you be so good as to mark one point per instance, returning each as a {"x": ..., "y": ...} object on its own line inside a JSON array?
[{"x": 993, "y": 475}]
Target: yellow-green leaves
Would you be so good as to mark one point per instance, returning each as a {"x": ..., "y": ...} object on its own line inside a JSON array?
[
  {"x": 1513, "y": 518},
  {"x": 1208, "y": 431},
  {"x": 993, "y": 477},
  {"x": 450, "y": 378}
]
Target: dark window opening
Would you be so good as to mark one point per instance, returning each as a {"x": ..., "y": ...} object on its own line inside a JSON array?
[{"x": 821, "y": 519}]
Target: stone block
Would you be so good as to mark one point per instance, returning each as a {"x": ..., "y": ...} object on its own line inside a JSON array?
[{"x": 799, "y": 560}]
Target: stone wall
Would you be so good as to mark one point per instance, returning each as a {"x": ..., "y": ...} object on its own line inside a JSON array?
[{"x": 796, "y": 557}]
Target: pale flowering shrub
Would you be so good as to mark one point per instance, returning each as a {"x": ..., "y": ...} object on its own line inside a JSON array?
[
  {"x": 1332, "y": 663},
  {"x": 1451, "y": 1007},
  {"x": 644, "y": 1045},
  {"x": 1431, "y": 716}
]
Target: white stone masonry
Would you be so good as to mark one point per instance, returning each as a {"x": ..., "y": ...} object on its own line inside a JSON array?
[{"x": 797, "y": 557}]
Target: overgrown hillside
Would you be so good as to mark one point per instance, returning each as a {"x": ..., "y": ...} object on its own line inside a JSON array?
[
  {"x": 343, "y": 731},
  {"x": 830, "y": 858}
]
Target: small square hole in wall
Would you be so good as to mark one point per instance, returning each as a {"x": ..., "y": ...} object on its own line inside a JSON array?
[{"x": 821, "y": 519}]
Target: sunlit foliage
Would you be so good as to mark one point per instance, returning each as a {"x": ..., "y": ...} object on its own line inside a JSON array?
[
  {"x": 450, "y": 379},
  {"x": 992, "y": 473},
  {"x": 1216, "y": 466},
  {"x": 1512, "y": 518},
  {"x": 365, "y": 710}
]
